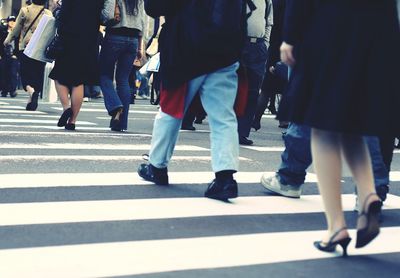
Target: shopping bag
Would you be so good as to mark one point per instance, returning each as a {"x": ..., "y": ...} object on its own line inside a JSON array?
[
  {"x": 41, "y": 38},
  {"x": 153, "y": 65}
]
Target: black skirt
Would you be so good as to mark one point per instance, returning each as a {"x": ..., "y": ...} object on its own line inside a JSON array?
[
  {"x": 78, "y": 64},
  {"x": 347, "y": 74}
]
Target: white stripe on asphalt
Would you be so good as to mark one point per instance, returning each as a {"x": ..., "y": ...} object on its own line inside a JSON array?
[
  {"x": 14, "y": 107},
  {"x": 157, "y": 256},
  {"x": 115, "y": 179},
  {"x": 24, "y": 112},
  {"x": 166, "y": 208},
  {"x": 76, "y": 134},
  {"x": 40, "y": 121},
  {"x": 104, "y": 110},
  {"x": 46, "y": 158},
  {"x": 54, "y": 127},
  {"x": 67, "y": 146},
  {"x": 265, "y": 149}
]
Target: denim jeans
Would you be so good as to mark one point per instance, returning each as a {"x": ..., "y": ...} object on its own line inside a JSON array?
[
  {"x": 297, "y": 157},
  {"x": 217, "y": 92},
  {"x": 117, "y": 56},
  {"x": 254, "y": 59}
]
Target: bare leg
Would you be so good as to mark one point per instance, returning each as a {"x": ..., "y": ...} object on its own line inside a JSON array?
[
  {"x": 30, "y": 91},
  {"x": 76, "y": 102},
  {"x": 326, "y": 151},
  {"x": 63, "y": 94}
]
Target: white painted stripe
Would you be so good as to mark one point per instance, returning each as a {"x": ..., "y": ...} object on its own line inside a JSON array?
[
  {"x": 105, "y": 111},
  {"x": 14, "y": 107},
  {"x": 3, "y": 103},
  {"x": 67, "y": 146},
  {"x": 98, "y": 158},
  {"x": 54, "y": 127},
  {"x": 166, "y": 208},
  {"x": 268, "y": 116},
  {"x": 40, "y": 121},
  {"x": 24, "y": 112},
  {"x": 157, "y": 256},
  {"x": 265, "y": 149},
  {"x": 113, "y": 179},
  {"x": 78, "y": 133}
]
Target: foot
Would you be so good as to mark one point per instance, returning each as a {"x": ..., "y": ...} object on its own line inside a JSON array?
[
  {"x": 245, "y": 141},
  {"x": 34, "y": 101},
  {"x": 70, "y": 126},
  {"x": 273, "y": 184},
  {"x": 188, "y": 127},
  {"x": 4, "y": 94},
  {"x": 368, "y": 220},
  {"x": 256, "y": 125},
  {"x": 115, "y": 123},
  {"x": 153, "y": 174},
  {"x": 64, "y": 117},
  {"x": 222, "y": 189},
  {"x": 332, "y": 239},
  {"x": 13, "y": 94}
]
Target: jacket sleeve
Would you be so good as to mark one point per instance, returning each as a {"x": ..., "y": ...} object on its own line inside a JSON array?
[
  {"x": 157, "y": 8},
  {"x": 16, "y": 32},
  {"x": 297, "y": 16}
]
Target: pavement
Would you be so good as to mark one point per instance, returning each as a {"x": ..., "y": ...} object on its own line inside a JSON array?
[{"x": 72, "y": 205}]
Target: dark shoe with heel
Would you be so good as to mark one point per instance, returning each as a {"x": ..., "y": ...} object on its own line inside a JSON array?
[
  {"x": 330, "y": 246},
  {"x": 34, "y": 101},
  {"x": 64, "y": 117},
  {"x": 70, "y": 126},
  {"x": 370, "y": 216},
  {"x": 153, "y": 174},
  {"x": 222, "y": 189},
  {"x": 245, "y": 141},
  {"x": 115, "y": 122}
]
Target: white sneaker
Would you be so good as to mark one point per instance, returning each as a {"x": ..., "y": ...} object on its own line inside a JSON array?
[
  {"x": 273, "y": 184},
  {"x": 85, "y": 99}
]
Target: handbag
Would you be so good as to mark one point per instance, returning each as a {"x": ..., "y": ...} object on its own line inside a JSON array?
[
  {"x": 55, "y": 48},
  {"x": 41, "y": 38},
  {"x": 153, "y": 47}
]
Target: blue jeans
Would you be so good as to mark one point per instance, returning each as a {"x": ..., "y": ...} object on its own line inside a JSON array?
[
  {"x": 254, "y": 59},
  {"x": 297, "y": 157},
  {"x": 117, "y": 55},
  {"x": 217, "y": 92}
]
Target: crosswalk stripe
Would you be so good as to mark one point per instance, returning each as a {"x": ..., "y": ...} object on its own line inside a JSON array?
[
  {"x": 279, "y": 149},
  {"x": 54, "y": 127},
  {"x": 9, "y": 111},
  {"x": 156, "y": 256},
  {"x": 166, "y": 208},
  {"x": 73, "y": 134},
  {"x": 113, "y": 179},
  {"x": 67, "y": 146},
  {"x": 16, "y": 158},
  {"x": 105, "y": 111},
  {"x": 40, "y": 121}
]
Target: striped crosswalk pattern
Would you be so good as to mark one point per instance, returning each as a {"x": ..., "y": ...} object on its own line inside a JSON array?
[{"x": 71, "y": 205}]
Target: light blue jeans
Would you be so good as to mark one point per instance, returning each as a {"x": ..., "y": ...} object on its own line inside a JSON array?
[{"x": 218, "y": 92}]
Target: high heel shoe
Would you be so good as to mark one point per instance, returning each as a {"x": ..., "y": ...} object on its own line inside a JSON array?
[
  {"x": 331, "y": 245},
  {"x": 64, "y": 117},
  {"x": 371, "y": 217},
  {"x": 115, "y": 122}
]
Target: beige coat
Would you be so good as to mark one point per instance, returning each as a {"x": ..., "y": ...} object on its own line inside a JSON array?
[{"x": 25, "y": 17}]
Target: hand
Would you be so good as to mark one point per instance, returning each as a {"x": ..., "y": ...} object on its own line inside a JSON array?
[
  {"x": 139, "y": 54},
  {"x": 287, "y": 54}
]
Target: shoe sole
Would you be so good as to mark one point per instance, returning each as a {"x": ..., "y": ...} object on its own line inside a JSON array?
[
  {"x": 288, "y": 193},
  {"x": 222, "y": 197}
]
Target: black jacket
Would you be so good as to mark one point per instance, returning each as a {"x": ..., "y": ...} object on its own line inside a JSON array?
[{"x": 181, "y": 63}]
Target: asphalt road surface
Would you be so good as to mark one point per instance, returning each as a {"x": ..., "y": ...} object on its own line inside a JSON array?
[{"x": 72, "y": 205}]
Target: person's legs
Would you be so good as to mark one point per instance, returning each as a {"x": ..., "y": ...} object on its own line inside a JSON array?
[
  {"x": 358, "y": 158},
  {"x": 124, "y": 68},
  {"x": 63, "y": 94},
  {"x": 109, "y": 54},
  {"x": 76, "y": 102},
  {"x": 218, "y": 95},
  {"x": 326, "y": 152}
]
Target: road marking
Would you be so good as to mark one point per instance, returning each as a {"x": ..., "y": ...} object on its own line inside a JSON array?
[
  {"x": 37, "y": 158},
  {"x": 114, "y": 179},
  {"x": 157, "y": 256},
  {"x": 24, "y": 112},
  {"x": 14, "y": 107},
  {"x": 40, "y": 121},
  {"x": 166, "y": 208},
  {"x": 78, "y": 133},
  {"x": 265, "y": 149},
  {"x": 105, "y": 111},
  {"x": 57, "y": 128}
]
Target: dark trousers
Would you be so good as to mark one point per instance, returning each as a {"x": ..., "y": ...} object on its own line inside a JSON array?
[
  {"x": 9, "y": 74},
  {"x": 254, "y": 59},
  {"x": 32, "y": 72}
]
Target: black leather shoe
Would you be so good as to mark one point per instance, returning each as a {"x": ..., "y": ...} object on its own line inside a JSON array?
[
  {"x": 64, "y": 117},
  {"x": 245, "y": 141},
  {"x": 34, "y": 102},
  {"x": 153, "y": 174},
  {"x": 222, "y": 190},
  {"x": 188, "y": 127},
  {"x": 70, "y": 126},
  {"x": 13, "y": 94}
]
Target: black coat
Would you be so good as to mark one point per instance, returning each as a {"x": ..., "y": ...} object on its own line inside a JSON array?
[
  {"x": 181, "y": 63},
  {"x": 346, "y": 73}
]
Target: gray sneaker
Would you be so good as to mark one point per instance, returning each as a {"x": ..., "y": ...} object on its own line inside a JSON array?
[{"x": 273, "y": 184}]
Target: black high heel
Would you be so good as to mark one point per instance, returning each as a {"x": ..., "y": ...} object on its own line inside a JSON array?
[
  {"x": 64, "y": 117},
  {"x": 115, "y": 124},
  {"x": 372, "y": 214},
  {"x": 331, "y": 245}
]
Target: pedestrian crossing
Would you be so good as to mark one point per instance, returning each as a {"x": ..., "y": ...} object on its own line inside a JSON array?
[{"x": 72, "y": 205}]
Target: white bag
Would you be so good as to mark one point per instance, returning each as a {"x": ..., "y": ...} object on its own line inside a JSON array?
[
  {"x": 153, "y": 65},
  {"x": 41, "y": 38}
]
